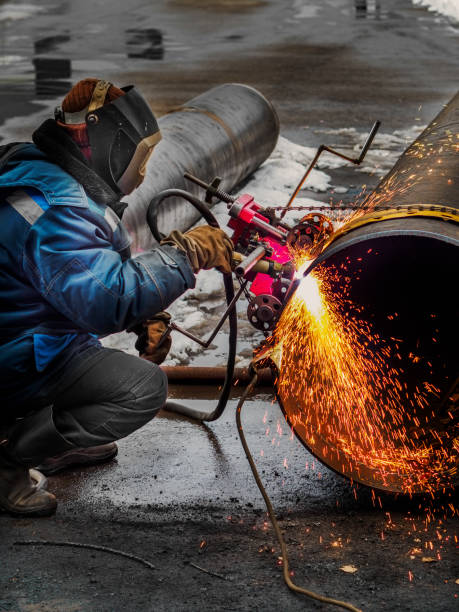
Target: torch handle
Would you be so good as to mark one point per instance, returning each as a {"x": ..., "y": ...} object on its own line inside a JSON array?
[
  {"x": 273, "y": 268},
  {"x": 247, "y": 263}
]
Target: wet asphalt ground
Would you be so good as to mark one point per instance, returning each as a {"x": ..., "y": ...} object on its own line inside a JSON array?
[{"x": 179, "y": 493}]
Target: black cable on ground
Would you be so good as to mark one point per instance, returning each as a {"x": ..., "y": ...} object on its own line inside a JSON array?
[
  {"x": 113, "y": 551},
  {"x": 272, "y": 516}
]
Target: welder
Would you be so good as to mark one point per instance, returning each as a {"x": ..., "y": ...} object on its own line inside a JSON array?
[{"x": 68, "y": 278}]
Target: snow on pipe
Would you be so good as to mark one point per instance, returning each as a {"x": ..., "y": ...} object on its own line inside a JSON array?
[
  {"x": 398, "y": 268},
  {"x": 227, "y": 131}
]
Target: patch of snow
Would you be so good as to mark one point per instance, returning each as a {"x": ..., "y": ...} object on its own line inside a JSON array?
[
  {"x": 7, "y": 60},
  {"x": 286, "y": 149},
  {"x": 12, "y": 11},
  {"x": 449, "y": 8},
  {"x": 285, "y": 174},
  {"x": 123, "y": 341},
  {"x": 304, "y": 10},
  {"x": 383, "y": 152},
  {"x": 208, "y": 284}
]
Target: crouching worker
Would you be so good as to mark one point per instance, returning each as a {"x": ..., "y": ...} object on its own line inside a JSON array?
[{"x": 67, "y": 277}]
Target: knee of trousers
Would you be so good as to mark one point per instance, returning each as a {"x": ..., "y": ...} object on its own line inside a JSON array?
[{"x": 149, "y": 394}]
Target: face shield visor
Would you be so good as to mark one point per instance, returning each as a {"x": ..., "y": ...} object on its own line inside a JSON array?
[{"x": 122, "y": 136}]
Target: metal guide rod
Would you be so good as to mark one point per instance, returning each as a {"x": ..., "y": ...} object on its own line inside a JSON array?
[
  {"x": 205, "y": 343},
  {"x": 212, "y": 189},
  {"x": 355, "y": 160}
]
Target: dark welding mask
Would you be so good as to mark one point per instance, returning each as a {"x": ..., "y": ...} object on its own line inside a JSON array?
[{"x": 122, "y": 135}]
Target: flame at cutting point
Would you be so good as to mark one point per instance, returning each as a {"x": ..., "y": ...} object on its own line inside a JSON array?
[{"x": 309, "y": 291}]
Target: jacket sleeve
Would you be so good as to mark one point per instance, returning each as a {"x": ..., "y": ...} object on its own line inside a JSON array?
[{"x": 69, "y": 258}]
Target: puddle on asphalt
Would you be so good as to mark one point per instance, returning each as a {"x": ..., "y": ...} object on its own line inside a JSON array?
[
  {"x": 50, "y": 43},
  {"x": 219, "y": 5},
  {"x": 52, "y": 76},
  {"x": 145, "y": 43},
  {"x": 42, "y": 49},
  {"x": 45, "y": 46},
  {"x": 370, "y": 9}
]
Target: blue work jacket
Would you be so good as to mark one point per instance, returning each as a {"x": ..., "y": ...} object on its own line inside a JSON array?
[{"x": 66, "y": 275}]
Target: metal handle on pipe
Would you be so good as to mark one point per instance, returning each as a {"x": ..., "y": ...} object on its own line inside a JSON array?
[{"x": 212, "y": 189}]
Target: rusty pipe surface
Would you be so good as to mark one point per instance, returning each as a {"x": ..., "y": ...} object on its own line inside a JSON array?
[
  {"x": 400, "y": 270},
  {"x": 227, "y": 131},
  {"x": 201, "y": 375}
]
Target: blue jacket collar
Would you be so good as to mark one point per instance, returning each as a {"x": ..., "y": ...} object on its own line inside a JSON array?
[{"x": 29, "y": 167}]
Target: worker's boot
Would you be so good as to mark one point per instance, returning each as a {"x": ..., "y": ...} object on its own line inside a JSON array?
[
  {"x": 28, "y": 441},
  {"x": 76, "y": 457},
  {"x": 22, "y": 491}
]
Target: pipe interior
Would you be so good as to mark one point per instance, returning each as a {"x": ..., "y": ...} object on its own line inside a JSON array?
[{"x": 407, "y": 288}]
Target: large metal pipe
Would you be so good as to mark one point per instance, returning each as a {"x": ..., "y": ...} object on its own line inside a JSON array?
[
  {"x": 400, "y": 269},
  {"x": 227, "y": 131}
]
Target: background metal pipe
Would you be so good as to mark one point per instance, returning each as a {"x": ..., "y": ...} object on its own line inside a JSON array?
[
  {"x": 227, "y": 131},
  {"x": 200, "y": 375},
  {"x": 407, "y": 266}
]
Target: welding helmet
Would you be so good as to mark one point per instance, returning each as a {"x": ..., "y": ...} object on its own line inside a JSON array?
[{"x": 121, "y": 134}]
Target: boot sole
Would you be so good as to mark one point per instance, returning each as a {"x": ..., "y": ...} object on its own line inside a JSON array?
[
  {"x": 78, "y": 461},
  {"x": 11, "y": 510}
]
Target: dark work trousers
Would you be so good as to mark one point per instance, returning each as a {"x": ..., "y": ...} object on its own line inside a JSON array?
[{"x": 102, "y": 395}]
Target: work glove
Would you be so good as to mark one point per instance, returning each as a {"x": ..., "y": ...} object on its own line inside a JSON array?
[
  {"x": 149, "y": 334},
  {"x": 206, "y": 247}
]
